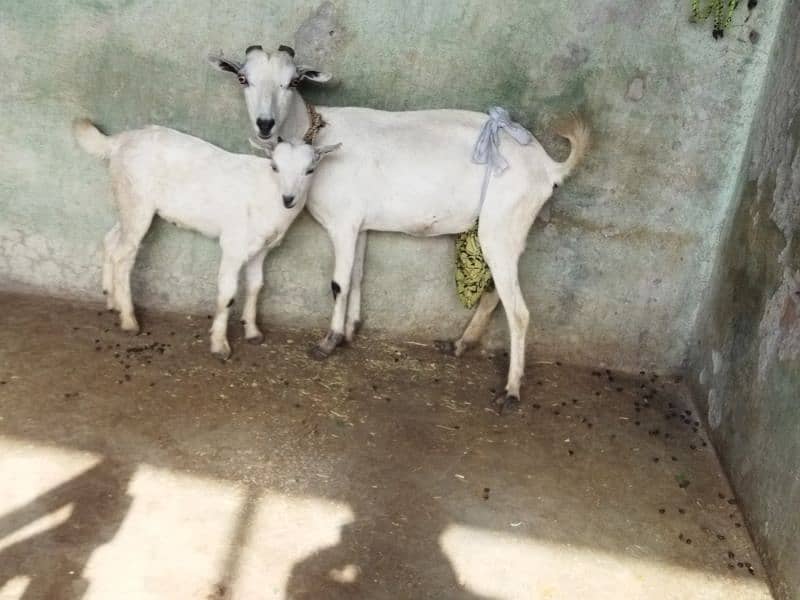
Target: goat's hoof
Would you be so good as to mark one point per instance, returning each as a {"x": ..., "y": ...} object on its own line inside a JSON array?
[
  {"x": 319, "y": 353},
  {"x": 130, "y": 328},
  {"x": 504, "y": 402},
  {"x": 222, "y": 355},
  {"x": 255, "y": 339},
  {"x": 446, "y": 347},
  {"x": 326, "y": 347}
]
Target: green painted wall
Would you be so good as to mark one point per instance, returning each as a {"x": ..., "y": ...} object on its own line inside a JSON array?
[
  {"x": 616, "y": 266},
  {"x": 747, "y": 357}
]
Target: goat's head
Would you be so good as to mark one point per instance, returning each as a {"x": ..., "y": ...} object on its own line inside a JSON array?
[
  {"x": 268, "y": 81},
  {"x": 294, "y": 164}
]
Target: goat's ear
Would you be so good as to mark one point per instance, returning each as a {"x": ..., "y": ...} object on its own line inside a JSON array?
[
  {"x": 224, "y": 64},
  {"x": 322, "y": 151},
  {"x": 309, "y": 74},
  {"x": 266, "y": 146}
]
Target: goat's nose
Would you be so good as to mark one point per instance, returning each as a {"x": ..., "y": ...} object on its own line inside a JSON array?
[
  {"x": 288, "y": 201},
  {"x": 265, "y": 126}
]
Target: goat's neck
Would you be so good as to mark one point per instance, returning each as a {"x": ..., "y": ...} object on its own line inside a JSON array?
[{"x": 297, "y": 120}]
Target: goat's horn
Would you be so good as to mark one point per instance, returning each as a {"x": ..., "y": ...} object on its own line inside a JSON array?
[{"x": 288, "y": 49}]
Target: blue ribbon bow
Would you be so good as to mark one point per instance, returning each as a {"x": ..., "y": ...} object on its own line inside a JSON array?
[{"x": 487, "y": 148}]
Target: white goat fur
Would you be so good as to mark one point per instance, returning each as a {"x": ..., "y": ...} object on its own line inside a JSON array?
[
  {"x": 411, "y": 172},
  {"x": 236, "y": 198}
]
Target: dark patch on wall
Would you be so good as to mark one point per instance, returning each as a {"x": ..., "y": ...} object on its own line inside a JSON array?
[
  {"x": 319, "y": 36},
  {"x": 575, "y": 57},
  {"x": 752, "y": 274}
]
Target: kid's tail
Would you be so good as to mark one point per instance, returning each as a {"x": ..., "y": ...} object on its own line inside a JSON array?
[{"x": 91, "y": 139}]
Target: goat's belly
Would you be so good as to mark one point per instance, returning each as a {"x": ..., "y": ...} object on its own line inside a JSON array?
[
  {"x": 423, "y": 227},
  {"x": 430, "y": 222},
  {"x": 207, "y": 226}
]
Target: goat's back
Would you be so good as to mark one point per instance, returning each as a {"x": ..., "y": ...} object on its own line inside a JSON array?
[{"x": 186, "y": 180}]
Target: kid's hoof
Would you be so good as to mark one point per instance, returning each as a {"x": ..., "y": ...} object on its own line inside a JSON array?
[
  {"x": 256, "y": 339},
  {"x": 504, "y": 402},
  {"x": 446, "y": 347}
]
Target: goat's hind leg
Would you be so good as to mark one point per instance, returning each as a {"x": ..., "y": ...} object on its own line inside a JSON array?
[
  {"x": 475, "y": 329},
  {"x": 502, "y": 250}
]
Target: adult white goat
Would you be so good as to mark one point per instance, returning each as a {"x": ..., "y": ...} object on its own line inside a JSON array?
[
  {"x": 236, "y": 198},
  {"x": 409, "y": 172}
]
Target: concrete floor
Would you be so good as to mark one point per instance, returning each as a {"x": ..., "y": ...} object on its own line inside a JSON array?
[{"x": 142, "y": 468}]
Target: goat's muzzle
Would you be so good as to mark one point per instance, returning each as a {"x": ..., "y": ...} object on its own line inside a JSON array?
[{"x": 265, "y": 127}]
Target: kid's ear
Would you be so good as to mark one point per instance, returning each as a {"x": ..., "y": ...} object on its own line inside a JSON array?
[{"x": 322, "y": 151}]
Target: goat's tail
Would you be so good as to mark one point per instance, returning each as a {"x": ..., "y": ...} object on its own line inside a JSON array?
[
  {"x": 576, "y": 130},
  {"x": 91, "y": 139}
]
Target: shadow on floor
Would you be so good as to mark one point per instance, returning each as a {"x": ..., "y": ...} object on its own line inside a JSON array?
[{"x": 54, "y": 559}]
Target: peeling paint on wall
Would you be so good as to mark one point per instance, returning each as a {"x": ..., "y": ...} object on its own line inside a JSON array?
[
  {"x": 779, "y": 330},
  {"x": 635, "y": 89}
]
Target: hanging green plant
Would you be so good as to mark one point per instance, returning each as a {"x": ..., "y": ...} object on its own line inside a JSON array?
[{"x": 722, "y": 11}]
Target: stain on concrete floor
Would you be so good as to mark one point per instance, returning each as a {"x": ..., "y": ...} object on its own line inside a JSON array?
[{"x": 141, "y": 467}]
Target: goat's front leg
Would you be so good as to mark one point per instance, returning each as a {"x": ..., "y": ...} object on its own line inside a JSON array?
[
  {"x": 353, "y": 320},
  {"x": 254, "y": 271},
  {"x": 226, "y": 292},
  {"x": 344, "y": 249}
]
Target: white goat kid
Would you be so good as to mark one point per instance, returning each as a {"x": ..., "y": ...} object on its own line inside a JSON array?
[
  {"x": 247, "y": 202},
  {"x": 409, "y": 172}
]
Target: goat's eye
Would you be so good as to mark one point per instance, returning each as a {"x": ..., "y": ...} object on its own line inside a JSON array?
[
  {"x": 242, "y": 79},
  {"x": 309, "y": 172},
  {"x": 274, "y": 167},
  {"x": 294, "y": 82}
]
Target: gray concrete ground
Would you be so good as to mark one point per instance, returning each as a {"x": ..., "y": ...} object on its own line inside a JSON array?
[{"x": 142, "y": 468}]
